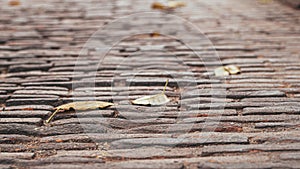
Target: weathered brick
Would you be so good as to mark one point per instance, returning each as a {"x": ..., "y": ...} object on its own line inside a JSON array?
[
  {"x": 276, "y": 137},
  {"x": 19, "y": 68},
  {"x": 290, "y": 156},
  {"x": 31, "y": 101},
  {"x": 29, "y": 107},
  {"x": 36, "y": 121},
  {"x": 41, "y": 92},
  {"x": 24, "y": 113},
  {"x": 138, "y": 153},
  {"x": 66, "y": 162},
  {"x": 13, "y": 148},
  {"x": 15, "y": 128},
  {"x": 273, "y": 125},
  {"x": 240, "y": 105},
  {"x": 21, "y": 96},
  {"x": 241, "y": 160},
  {"x": 10, "y": 89},
  {"x": 22, "y": 155},
  {"x": 14, "y": 138},
  {"x": 271, "y": 99},
  {"x": 176, "y": 114},
  {"x": 187, "y": 140},
  {"x": 64, "y": 146},
  {"x": 234, "y": 148},
  {"x": 115, "y": 122},
  {"x": 272, "y": 110},
  {"x": 161, "y": 82},
  {"x": 186, "y": 128},
  {"x": 244, "y": 119}
]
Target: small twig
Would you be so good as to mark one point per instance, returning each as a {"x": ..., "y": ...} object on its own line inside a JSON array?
[
  {"x": 165, "y": 86},
  {"x": 51, "y": 117}
]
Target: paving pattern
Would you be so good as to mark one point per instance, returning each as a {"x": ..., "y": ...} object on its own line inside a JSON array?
[{"x": 255, "y": 126}]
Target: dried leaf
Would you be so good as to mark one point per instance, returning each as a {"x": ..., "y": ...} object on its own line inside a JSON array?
[
  {"x": 83, "y": 105},
  {"x": 158, "y": 99},
  {"x": 176, "y": 4},
  {"x": 59, "y": 140},
  {"x": 155, "y": 100},
  {"x": 158, "y": 5},
  {"x": 14, "y": 3},
  {"x": 170, "y": 6},
  {"x": 227, "y": 70},
  {"x": 155, "y": 34},
  {"x": 221, "y": 71},
  {"x": 233, "y": 70}
]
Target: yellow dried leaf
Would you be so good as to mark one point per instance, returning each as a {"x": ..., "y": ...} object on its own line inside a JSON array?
[
  {"x": 59, "y": 140},
  {"x": 176, "y": 4},
  {"x": 221, "y": 71},
  {"x": 83, "y": 105},
  {"x": 233, "y": 70},
  {"x": 14, "y": 3},
  {"x": 158, "y": 5},
  {"x": 155, "y": 100},
  {"x": 227, "y": 70},
  {"x": 158, "y": 99},
  {"x": 170, "y": 6}
]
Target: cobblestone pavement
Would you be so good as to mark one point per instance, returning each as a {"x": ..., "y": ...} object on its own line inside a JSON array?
[{"x": 259, "y": 127}]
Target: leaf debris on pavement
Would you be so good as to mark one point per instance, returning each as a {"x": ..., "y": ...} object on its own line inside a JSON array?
[
  {"x": 82, "y": 105},
  {"x": 14, "y": 3},
  {"x": 154, "y": 100},
  {"x": 227, "y": 70},
  {"x": 171, "y": 5}
]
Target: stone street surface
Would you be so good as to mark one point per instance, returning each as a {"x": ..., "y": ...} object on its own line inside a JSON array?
[{"x": 246, "y": 120}]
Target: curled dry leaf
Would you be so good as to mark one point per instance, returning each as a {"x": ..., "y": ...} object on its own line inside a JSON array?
[
  {"x": 155, "y": 100},
  {"x": 227, "y": 70},
  {"x": 14, "y": 3},
  {"x": 233, "y": 70},
  {"x": 83, "y": 105},
  {"x": 158, "y": 5},
  {"x": 158, "y": 99},
  {"x": 171, "y": 5}
]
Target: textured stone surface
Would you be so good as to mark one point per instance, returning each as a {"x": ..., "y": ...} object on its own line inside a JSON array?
[
  {"x": 17, "y": 155},
  {"x": 24, "y": 113},
  {"x": 209, "y": 150},
  {"x": 189, "y": 140},
  {"x": 14, "y": 138},
  {"x": 290, "y": 156},
  {"x": 139, "y": 153},
  {"x": 248, "y": 120},
  {"x": 29, "y": 107},
  {"x": 35, "y": 121},
  {"x": 272, "y": 110}
]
